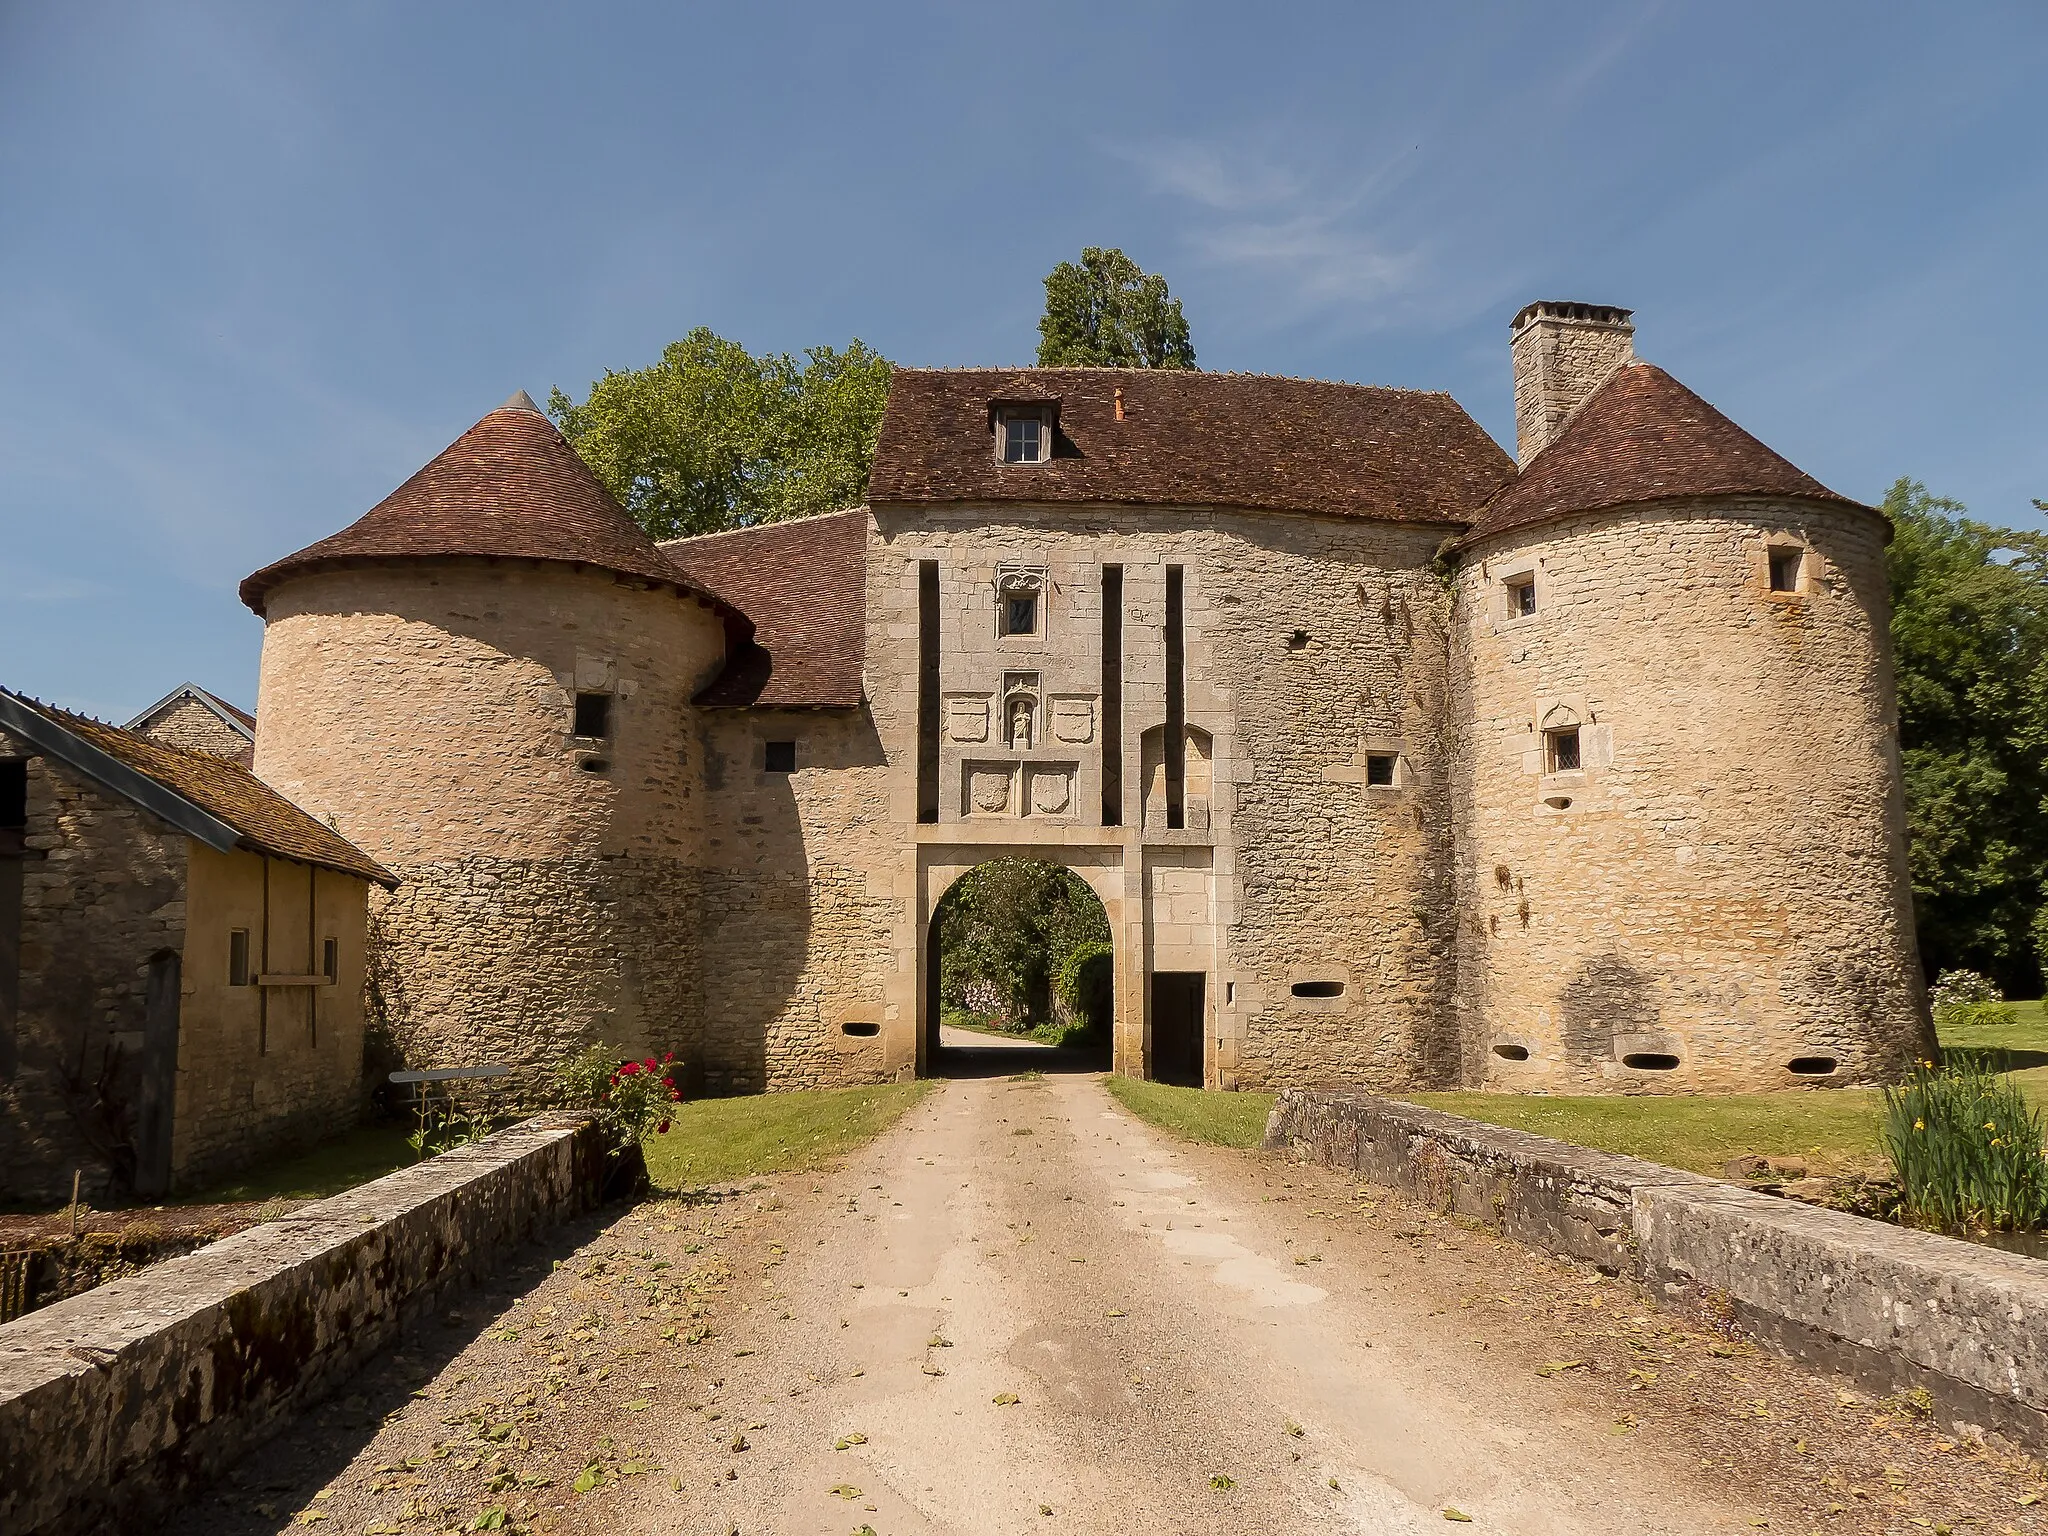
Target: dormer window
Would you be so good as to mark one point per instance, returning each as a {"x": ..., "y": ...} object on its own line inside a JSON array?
[{"x": 1023, "y": 432}]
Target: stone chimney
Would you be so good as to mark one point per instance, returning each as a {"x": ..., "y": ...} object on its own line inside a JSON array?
[{"x": 1562, "y": 353}]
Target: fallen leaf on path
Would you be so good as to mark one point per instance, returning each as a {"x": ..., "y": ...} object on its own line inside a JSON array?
[
  {"x": 846, "y": 1490},
  {"x": 1004, "y": 1399},
  {"x": 1458, "y": 1515}
]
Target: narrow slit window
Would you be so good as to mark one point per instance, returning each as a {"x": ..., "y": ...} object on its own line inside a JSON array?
[
  {"x": 238, "y": 957},
  {"x": 1785, "y": 563},
  {"x": 1379, "y": 768},
  {"x": 1112, "y": 695},
  {"x": 927, "y": 690},
  {"x": 593, "y": 715},
  {"x": 1176, "y": 704},
  {"x": 1561, "y": 748},
  {"x": 330, "y": 958},
  {"x": 780, "y": 757},
  {"x": 1317, "y": 989},
  {"x": 1521, "y": 596}
]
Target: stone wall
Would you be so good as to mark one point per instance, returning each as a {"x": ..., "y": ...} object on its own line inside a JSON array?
[
  {"x": 155, "y": 1383},
  {"x": 190, "y": 725},
  {"x": 1890, "y": 1308},
  {"x": 552, "y": 882},
  {"x": 1723, "y": 880},
  {"x": 798, "y": 909},
  {"x": 103, "y": 889},
  {"x": 1310, "y": 642}
]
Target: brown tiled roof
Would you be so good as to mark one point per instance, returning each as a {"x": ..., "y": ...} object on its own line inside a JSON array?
[
  {"x": 804, "y": 584},
  {"x": 1643, "y": 436},
  {"x": 1187, "y": 438},
  {"x": 265, "y": 820},
  {"x": 510, "y": 487}
]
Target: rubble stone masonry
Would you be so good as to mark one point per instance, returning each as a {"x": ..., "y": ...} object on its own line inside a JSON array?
[
  {"x": 1715, "y": 898},
  {"x": 552, "y": 883}
]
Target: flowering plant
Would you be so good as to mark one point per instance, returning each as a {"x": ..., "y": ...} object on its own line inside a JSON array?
[{"x": 630, "y": 1100}]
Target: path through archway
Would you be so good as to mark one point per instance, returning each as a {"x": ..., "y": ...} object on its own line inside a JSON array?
[{"x": 1019, "y": 973}]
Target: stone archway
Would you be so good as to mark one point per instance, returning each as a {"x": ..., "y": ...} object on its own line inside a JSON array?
[{"x": 1100, "y": 866}]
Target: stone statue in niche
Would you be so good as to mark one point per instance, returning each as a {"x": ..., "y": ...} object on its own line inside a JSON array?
[{"x": 1021, "y": 711}]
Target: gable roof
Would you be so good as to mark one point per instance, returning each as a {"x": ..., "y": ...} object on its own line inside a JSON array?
[
  {"x": 803, "y": 582},
  {"x": 218, "y": 802},
  {"x": 1188, "y": 438},
  {"x": 1643, "y": 436},
  {"x": 237, "y": 719},
  {"x": 511, "y": 487}
]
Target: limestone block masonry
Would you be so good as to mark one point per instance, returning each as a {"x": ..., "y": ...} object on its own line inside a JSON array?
[
  {"x": 117, "y": 1403},
  {"x": 551, "y": 882},
  {"x": 1892, "y": 1309}
]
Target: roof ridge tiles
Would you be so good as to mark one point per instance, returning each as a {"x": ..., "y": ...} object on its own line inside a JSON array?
[{"x": 665, "y": 545}]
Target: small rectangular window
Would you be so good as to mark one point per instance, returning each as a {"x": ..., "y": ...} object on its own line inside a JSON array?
[
  {"x": 330, "y": 958},
  {"x": 1379, "y": 768},
  {"x": 1562, "y": 748},
  {"x": 1023, "y": 439},
  {"x": 1020, "y": 615},
  {"x": 1521, "y": 596},
  {"x": 780, "y": 757},
  {"x": 238, "y": 957},
  {"x": 593, "y": 715},
  {"x": 1785, "y": 569}
]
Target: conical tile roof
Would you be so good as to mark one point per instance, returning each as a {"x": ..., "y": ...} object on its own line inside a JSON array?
[
  {"x": 510, "y": 488},
  {"x": 1643, "y": 436}
]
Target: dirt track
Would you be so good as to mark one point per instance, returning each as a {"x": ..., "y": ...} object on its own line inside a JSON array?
[{"x": 1022, "y": 1310}]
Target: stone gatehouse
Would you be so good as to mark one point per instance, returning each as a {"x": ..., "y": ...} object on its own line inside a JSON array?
[{"x": 1395, "y": 760}]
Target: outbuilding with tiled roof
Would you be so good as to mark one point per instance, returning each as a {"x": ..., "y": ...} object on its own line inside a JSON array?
[{"x": 182, "y": 956}]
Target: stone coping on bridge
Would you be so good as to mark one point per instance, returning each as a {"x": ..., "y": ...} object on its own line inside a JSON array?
[
  {"x": 1890, "y": 1308},
  {"x": 116, "y": 1403}
]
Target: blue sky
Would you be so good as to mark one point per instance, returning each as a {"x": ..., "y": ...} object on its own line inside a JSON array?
[{"x": 259, "y": 262}]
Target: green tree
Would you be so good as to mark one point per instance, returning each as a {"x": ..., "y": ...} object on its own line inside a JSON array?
[
  {"x": 1005, "y": 929},
  {"x": 1107, "y": 313},
  {"x": 1970, "y": 642},
  {"x": 714, "y": 437}
]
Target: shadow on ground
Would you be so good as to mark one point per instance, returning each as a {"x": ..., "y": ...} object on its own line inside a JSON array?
[
  {"x": 1007, "y": 1060},
  {"x": 316, "y": 1445}
]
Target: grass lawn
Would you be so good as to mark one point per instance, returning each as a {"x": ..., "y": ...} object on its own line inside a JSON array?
[
  {"x": 713, "y": 1141},
  {"x": 1833, "y": 1130},
  {"x": 365, "y": 1153},
  {"x": 1219, "y": 1119}
]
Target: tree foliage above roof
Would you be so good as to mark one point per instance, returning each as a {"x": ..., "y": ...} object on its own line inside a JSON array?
[
  {"x": 1108, "y": 313},
  {"x": 1970, "y": 643},
  {"x": 714, "y": 437}
]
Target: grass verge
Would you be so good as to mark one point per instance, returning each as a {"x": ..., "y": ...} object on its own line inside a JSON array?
[
  {"x": 1217, "y": 1119},
  {"x": 1833, "y": 1130},
  {"x": 365, "y": 1153},
  {"x": 713, "y": 1141}
]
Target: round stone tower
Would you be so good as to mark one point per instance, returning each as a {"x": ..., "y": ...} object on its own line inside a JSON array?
[
  {"x": 487, "y": 681},
  {"x": 1682, "y": 848}
]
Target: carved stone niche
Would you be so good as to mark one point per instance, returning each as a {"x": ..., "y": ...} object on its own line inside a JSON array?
[
  {"x": 967, "y": 717},
  {"x": 1023, "y": 725},
  {"x": 988, "y": 789}
]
